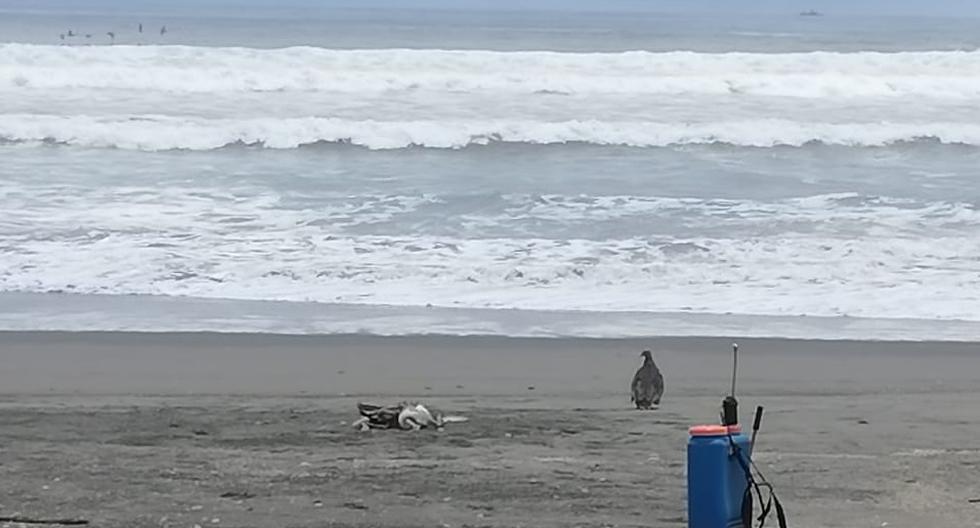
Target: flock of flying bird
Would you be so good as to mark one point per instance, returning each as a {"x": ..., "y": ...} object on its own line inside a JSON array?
[{"x": 66, "y": 37}]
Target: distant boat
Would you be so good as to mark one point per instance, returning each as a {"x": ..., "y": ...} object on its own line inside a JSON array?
[{"x": 811, "y": 13}]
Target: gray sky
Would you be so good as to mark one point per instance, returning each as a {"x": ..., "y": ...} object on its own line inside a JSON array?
[
  {"x": 891, "y": 7},
  {"x": 830, "y": 7}
]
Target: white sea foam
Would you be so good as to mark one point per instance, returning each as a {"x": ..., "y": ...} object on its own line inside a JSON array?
[
  {"x": 178, "y": 97},
  {"x": 158, "y": 132},
  {"x": 816, "y": 276},
  {"x": 324, "y": 225},
  {"x": 831, "y": 253},
  {"x": 192, "y": 69}
]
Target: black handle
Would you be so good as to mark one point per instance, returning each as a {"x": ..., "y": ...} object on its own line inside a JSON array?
[
  {"x": 729, "y": 411},
  {"x": 755, "y": 427}
]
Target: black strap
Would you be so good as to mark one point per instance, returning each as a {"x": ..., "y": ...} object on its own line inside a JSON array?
[
  {"x": 780, "y": 514},
  {"x": 765, "y": 509},
  {"x": 747, "y": 507},
  {"x": 770, "y": 502},
  {"x": 747, "y": 502}
]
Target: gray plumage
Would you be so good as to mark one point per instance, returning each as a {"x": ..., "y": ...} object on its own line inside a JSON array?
[{"x": 648, "y": 383}]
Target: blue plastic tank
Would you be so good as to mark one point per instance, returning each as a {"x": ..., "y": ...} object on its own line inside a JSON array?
[{"x": 715, "y": 480}]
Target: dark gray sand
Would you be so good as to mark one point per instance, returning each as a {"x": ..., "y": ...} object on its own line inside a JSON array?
[{"x": 134, "y": 430}]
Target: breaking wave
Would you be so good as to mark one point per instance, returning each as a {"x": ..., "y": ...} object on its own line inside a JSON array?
[
  {"x": 155, "y": 133},
  {"x": 205, "y": 70}
]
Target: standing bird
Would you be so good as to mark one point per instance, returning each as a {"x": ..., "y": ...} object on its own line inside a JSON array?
[
  {"x": 163, "y": 31},
  {"x": 648, "y": 383},
  {"x": 141, "y": 27}
]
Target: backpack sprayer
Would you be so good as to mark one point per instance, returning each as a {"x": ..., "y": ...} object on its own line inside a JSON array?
[{"x": 720, "y": 471}]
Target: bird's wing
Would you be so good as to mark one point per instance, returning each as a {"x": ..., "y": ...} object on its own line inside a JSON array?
[
  {"x": 637, "y": 385},
  {"x": 657, "y": 385}
]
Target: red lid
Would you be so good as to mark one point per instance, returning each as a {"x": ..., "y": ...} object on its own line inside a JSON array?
[{"x": 715, "y": 430}]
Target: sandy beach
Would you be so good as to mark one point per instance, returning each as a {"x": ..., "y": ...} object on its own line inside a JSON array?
[{"x": 131, "y": 430}]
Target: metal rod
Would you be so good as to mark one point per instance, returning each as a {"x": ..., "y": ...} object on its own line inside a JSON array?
[{"x": 734, "y": 366}]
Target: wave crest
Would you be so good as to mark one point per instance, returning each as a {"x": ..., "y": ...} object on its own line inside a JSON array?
[
  {"x": 154, "y": 133},
  {"x": 187, "y": 69}
]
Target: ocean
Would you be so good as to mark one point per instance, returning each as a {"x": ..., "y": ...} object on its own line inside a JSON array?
[{"x": 467, "y": 172}]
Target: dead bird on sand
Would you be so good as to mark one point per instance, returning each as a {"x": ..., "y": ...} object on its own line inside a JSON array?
[
  {"x": 405, "y": 415},
  {"x": 648, "y": 384}
]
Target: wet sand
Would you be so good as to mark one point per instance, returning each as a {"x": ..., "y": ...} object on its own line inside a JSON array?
[{"x": 138, "y": 430}]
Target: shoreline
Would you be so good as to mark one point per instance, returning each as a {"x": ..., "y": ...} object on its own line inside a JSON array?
[
  {"x": 161, "y": 314},
  {"x": 109, "y": 335}
]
